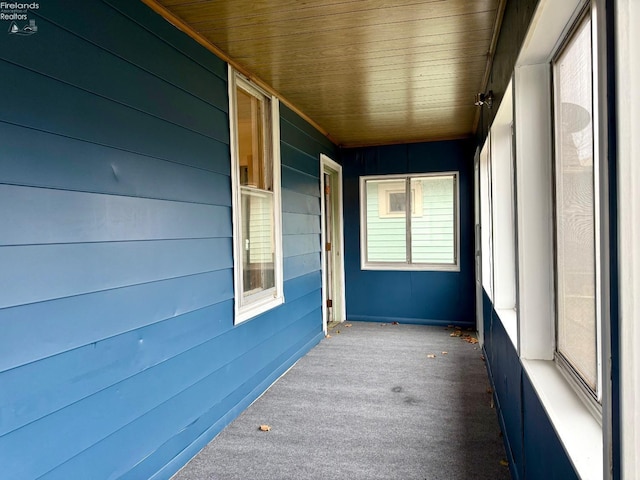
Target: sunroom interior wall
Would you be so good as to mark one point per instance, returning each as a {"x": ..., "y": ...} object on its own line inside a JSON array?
[{"x": 440, "y": 297}]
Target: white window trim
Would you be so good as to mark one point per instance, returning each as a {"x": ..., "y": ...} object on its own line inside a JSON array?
[
  {"x": 627, "y": 17},
  {"x": 403, "y": 266},
  {"x": 587, "y": 443},
  {"x": 503, "y": 216},
  {"x": 273, "y": 297},
  {"x": 486, "y": 218}
]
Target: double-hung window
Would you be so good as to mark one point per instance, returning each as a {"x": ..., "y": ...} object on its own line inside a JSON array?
[
  {"x": 576, "y": 183},
  {"x": 425, "y": 239},
  {"x": 255, "y": 178}
]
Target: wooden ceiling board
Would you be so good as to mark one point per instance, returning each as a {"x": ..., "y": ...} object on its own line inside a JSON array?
[
  {"x": 287, "y": 17},
  {"x": 367, "y": 72},
  {"x": 318, "y": 32}
]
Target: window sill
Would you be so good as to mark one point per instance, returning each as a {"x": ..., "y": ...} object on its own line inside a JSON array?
[
  {"x": 256, "y": 308},
  {"x": 577, "y": 429},
  {"x": 411, "y": 267}
]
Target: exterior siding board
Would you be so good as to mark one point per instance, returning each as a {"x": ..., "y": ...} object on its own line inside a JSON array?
[{"x": 119, "y": 353}]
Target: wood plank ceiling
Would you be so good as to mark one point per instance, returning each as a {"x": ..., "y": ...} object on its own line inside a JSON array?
[{"x": 367, "y": 72}]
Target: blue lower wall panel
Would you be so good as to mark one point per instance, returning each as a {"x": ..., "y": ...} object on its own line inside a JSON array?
[
  {"x": 533, "y": 448},
  {"x": 505, "y": 373},
  {"x": 545, "y": 456},
  {"x": 406, "y": 320}
]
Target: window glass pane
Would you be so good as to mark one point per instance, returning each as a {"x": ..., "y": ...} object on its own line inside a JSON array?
[
  {"x": 258, "y": 241},
  {"x": 397, "y": 202},
  {"x": 386, "y": 232},
  {"x": 433, "y": 232},
  {"x": 255, "y": 168},
  {"x": 575, "y": 218}
]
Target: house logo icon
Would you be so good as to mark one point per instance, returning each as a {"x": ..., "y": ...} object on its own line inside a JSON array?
[{"x": 28, "y": 29}]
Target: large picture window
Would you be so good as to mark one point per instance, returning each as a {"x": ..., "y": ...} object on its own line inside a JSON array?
[
  {"x": 576, "y": 219},
  {"x": 256, "y": 198},
  {"x": 425, "y": 240}
]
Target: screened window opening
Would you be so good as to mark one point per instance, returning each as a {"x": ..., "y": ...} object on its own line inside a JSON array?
[
  {"x": 426, "y": 239},
  {"x": 257, "y": 230},
  {"x": 575, "y": 208}
]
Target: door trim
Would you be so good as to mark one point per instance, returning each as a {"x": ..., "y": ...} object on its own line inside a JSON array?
[{"x": 331, "y": 167}]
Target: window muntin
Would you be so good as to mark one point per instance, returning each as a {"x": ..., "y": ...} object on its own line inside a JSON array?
[
  {"x": 256, "y": 198},
  {"x": 426, "y": 239},
  {"x": 575, "y": 180}
]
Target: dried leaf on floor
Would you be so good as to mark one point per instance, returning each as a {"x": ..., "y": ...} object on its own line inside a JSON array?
[
  {"x": 431, "y": 355},
  {"x": 327, "y": 336},
  {"x": 482, "y": 357},
  {"x": 337, "y": 331},
  {"x": 264, "y": 428},
  {"x": 445, "y": 353},
  {"x": 347, "y": 325},
  {"x": 383, "y": 324},
  {"x": 489, "y": 390},
  {"x": 471, "y": 340},
  {"x": 457, "y": 333},
  {"x": 504, "y": 463},
  {"x": 395, "y": 323}
]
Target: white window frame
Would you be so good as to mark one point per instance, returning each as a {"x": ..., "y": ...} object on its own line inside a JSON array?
[
  {"x": 253, "y": 305},
  {"x": 486, "y": 218},
  {"x": 503, "y": 216},
  {"x": 365, "y": 264},
  {"x": 592, "y": 397},
  {"x": 585, "y": 435},
  {"x": 627, "y": 17}
]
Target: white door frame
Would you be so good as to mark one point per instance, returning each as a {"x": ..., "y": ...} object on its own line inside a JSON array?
[{"x": 333, "y": 168}]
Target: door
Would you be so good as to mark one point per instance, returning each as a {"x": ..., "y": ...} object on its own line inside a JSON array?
[{"x": 333, "y": 300}]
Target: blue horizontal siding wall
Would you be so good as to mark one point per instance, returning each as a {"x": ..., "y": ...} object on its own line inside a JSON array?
[
  {"x": 428, "y": 297},
  {"x": 119, "y": 357}
]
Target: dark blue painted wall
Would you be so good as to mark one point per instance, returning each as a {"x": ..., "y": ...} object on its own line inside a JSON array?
[
  {"x": 409, "y": 296},
  {"x": 532, "y": 445},
  {"x": 118, "y": 352}
]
